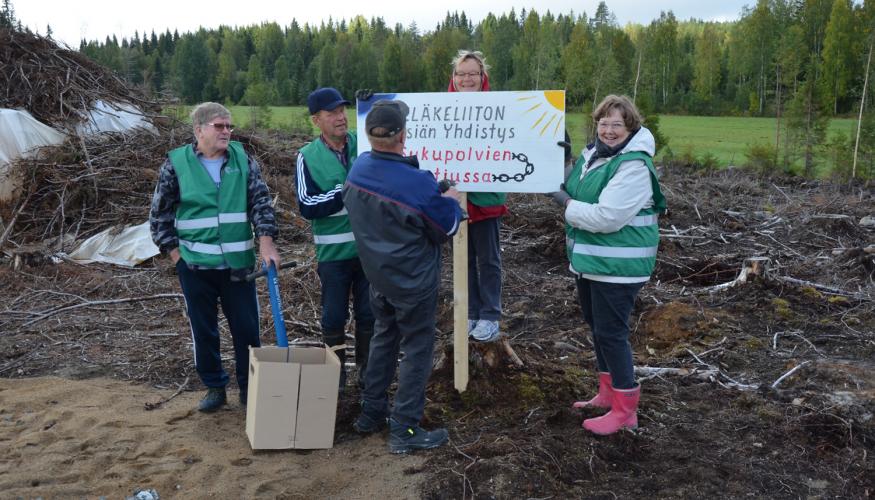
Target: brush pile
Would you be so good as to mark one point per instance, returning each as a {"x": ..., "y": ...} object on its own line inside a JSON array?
[{"x": 57, "y": 85}]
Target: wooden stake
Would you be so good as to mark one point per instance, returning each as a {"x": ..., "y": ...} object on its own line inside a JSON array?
[{"x": 460, "y": 303}]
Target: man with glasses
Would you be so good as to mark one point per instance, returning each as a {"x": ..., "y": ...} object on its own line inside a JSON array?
[
  {"x": 209, "y": 197},
  {"x": 322, "y": 167}
]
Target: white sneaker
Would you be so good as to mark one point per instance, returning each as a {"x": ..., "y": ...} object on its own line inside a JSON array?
[
  {"x": 471, "y": 324},
  {"x": 486, "y": 331}
]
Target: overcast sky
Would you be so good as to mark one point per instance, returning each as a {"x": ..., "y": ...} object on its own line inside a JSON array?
[{"x": 72, "y": 20}]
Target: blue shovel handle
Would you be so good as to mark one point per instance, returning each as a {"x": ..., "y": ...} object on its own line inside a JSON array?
[{"x": 273, "y": 288}]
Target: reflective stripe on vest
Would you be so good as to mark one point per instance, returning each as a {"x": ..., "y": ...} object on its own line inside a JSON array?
[
  {"x": 338, "y": 214},
  {"x": 330, "y": 239},
  {"x": 206, "y": 222},
  {"x": 616, "y": 252},
  {"x": 644, "y": 220},
  {"x": 238, "y": 246}
]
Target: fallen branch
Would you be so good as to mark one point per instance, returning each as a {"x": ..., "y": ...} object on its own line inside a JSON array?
[
  {"x": 103, "y": 302},
  {"x": 791, "y": 372},
  {"x": 511, "y": 354},
  {"x": 818, "y": 286},
  {"x": 655, "y": 371},
  {"x": 152, "y": 406},
  {"x": 9, "y": 227},
  {"x": 709, "y": 374}
]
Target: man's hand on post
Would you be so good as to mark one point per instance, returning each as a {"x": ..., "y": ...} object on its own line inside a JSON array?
[
  {"x": 267, "y": 250},
  {"x": 451, "y": 192}
]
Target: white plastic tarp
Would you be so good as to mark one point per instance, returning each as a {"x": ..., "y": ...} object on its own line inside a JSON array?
[
  {"x": 127, "y": 247},
  {"x": 106, "y": 117},
  {"x": 20, "y": 135}
]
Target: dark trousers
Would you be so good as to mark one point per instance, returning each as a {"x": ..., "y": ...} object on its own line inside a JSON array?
[
  {"x": 204, "y": 290},
  {"x": 339, "y": 279},
  {"x": 484, "y": 270},
  {"x": 606, "y": 309},
  {"x": 407, "y": 325}
]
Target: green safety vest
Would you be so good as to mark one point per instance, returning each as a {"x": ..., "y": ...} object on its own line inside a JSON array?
[
  {"x": 629, "y": 252},
  {"x": 212, "y": 222},
  {"x": 487, "y": 199},
  {"x": 333, "y": 234}
]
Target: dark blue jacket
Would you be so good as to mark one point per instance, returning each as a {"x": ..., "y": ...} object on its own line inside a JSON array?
[{"x": 399, "y": 219}]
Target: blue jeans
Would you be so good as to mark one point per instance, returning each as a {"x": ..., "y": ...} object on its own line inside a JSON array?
[
  {"x": 484, "y": 270},
  {"x": 403, "y": 325},
  {"x": 339, "y": 278},
  {"x": 606, "y": 308},
  {"x": 204, "y": 290}
]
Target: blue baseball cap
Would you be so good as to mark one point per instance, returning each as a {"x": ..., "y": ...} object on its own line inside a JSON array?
[{"x": 325, "y": 98}]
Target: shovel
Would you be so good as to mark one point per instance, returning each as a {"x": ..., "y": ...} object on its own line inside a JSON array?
[{"x": 276, "y": 307}]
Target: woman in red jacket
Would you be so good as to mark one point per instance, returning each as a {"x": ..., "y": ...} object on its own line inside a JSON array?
[{"x": 484, "y": 213}]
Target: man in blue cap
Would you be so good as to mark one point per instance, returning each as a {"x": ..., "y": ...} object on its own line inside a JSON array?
[{"x": 322, "y": 167}]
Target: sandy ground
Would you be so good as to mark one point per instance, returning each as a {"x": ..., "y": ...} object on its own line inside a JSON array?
[{"x": 91, "y": 438}]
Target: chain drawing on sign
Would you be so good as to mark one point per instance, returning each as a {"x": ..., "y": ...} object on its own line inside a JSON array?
[{"x": 519, "y": 177}]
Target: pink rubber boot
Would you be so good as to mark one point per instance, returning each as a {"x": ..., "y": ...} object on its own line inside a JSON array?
[
  {"x": 603, "y": 398},
  {"x": 623, "y": 414}
]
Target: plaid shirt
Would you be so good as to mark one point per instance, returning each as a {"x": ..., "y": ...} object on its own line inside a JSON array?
[{"x": 162, "y": 214}]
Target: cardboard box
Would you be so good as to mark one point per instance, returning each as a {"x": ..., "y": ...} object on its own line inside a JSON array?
[{"x": 292, "y": 397}]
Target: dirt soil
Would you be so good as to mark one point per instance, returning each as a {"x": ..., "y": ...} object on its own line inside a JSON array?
[{"x": 83, "y": 379}]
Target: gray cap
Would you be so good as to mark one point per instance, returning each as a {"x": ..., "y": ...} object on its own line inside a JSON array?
[{"x": 387, "y": 114}]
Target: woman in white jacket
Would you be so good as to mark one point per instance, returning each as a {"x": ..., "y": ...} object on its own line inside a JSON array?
[{"x": 612, "y": 203}]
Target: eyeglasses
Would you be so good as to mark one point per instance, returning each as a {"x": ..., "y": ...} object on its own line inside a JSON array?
[
  {"x": 222, "y": 126},
  {"x": 612, "y": 126},
  {"x": 472, "y": 74}
]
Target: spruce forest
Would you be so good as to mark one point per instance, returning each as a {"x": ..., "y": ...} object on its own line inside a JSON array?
[{"x": 802, "y": 61}]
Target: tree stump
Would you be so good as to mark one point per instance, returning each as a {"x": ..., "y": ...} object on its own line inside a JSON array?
[
  {"x": 483, "y": 357},
  {"x": 752, "y": 266}
]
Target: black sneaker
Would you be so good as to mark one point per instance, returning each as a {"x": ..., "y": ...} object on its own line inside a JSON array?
[
  {"x": 365, "y": 424},
  {"x": 213, "y": 400},
  {"x": 404, "y": 439}
]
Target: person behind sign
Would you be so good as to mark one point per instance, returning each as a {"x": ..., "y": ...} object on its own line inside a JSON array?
[
  {"x": 612, "y": 202},
  {"x": 209, "y": 196},
  {"x": 400, "y": 219},
  {"x": 322, "y": 167},
  {"x": 484, "y": 212}
]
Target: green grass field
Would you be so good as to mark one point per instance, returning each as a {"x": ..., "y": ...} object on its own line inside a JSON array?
[{"x": 727, "y": 138}]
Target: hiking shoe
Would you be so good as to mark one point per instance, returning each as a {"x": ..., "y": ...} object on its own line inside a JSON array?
[
  {"x": 366, "y": 424},
  {"x": 486, "y": 331},
  {"x": 213, "y": 400},
  {"x": 404, "y": 438}
]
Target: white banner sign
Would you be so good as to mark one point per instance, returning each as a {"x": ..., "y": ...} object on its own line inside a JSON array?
[{"x": 485, "y": 141}]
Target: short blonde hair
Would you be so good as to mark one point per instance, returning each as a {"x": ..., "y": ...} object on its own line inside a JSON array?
[
  {"x": 205, "y": 112},
  {"x": 630, "y": 114},
  {"x": 471, "y": 54}
]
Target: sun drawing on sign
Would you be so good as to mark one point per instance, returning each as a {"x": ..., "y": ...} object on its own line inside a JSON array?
[{"x": 549, "y": 111}]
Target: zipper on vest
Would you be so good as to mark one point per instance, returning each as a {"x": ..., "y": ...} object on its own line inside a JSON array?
[{"x": 219, "y": 208}]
